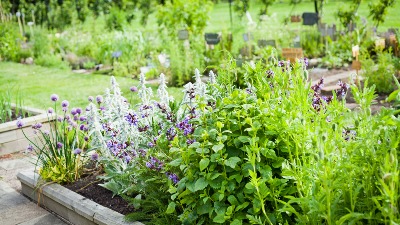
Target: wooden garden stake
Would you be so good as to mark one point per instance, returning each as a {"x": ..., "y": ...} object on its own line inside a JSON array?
[{"x": 356, "y": 64}]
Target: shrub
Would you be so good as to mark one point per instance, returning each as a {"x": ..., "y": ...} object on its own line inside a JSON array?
[
  {"x": 379, "y": 73},
  {"x": 274, "y": 152}
]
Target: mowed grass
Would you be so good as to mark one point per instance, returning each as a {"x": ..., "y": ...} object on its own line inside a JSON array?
[{"x": 35, "y": 84}]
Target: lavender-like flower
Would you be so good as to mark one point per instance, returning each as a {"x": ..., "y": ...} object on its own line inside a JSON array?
[
  {"x": 82, "y": 118},
  {"x": 73, "y": 111},
  {"x": 154, "y": 164},
  {"x": 132, "y": 118},
  {"x": 36, "y": 126},
  {"x": 29, "y": 148},
  {"x": 94, "y": 156},
  {"x": 20, "y": 123},
  {"x": 99, "y": 99},
  {"x": 78, "y": 110},
  {"x": 64, "y": 109},
  {"x": 90, "y": 98},
  {"x": 86, "y": 138},
  {"x": 64, "y": 104},
  {"x": 190, "y": 141},
  {"x": 59, "y": 145},
  {"x": 186, "y": 127},
  {"x": 343, "y": 89},
  {"x": 77, "y": 151},
  {"x": 54, "y": 97},
  {"x": 133, "y": 89},
  {"x": 270, "y": 73},
  {"x": 318, "y": 87},
  {"x": 50, "y": 110},
  {"x": 173, "y": 177}
]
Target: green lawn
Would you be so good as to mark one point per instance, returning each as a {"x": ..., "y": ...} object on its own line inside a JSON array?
[{"x": 36, "y": 84}]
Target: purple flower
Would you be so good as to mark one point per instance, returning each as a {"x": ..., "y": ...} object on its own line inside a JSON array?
[
  {"x": 20, "y": 123},
  {"x": 99, "y": 99},
  {"x": 54, "y": 97},
  {"x": 343, "y": 89},
  {"x": 59, "y": 145},
  {"x": 132, "y": 118},
  {"x": 186, "y": 127},
  {"x": 304, "y": 61},
  {"x": 133, "y": 89},
  {"x": 154, "y": 164},
  {"x": 29, "y": 148},
  {"x": 78, "y": 110},
  {"x": 50, "y": 110},
  {"x": 37, "y": 126},
  {"x": 77, "y": 151},
  {"x": 318, "y": 87},
  {"x": 64, "y": 109},
  {"x": 59, "y": 119},
  {"x": 73, "y": 111},
  {"x": 270, "y": 73},
  {"x": 65, "y": 103},
  {"x": 173, "y": 177},
  {"x": 190, "y": 141},
  {"x": 151, "y": 145},
  {"x": 82, "y": 118},
  {"x": 90, "y": 98},
  {"x": 82, "y": 127},
  {"x": 127, "y": 158},
  {"x": 86, "y": 138},
  {"x": 94, "y": 156}
]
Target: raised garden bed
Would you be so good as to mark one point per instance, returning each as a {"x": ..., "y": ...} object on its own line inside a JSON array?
[
  {"x": 11, "y": 137},
  {"x": 67, "y": 204}
]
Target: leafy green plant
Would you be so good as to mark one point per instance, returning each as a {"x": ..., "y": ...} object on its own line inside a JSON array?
[
  {"x": 379, "y": 72},
  {"x": 61, "y": 149},
  {"x": 8, "y": 110},
  {"x": 10, "y": 39},
  {"x": 395, "y": 95},
  {"x": 178, "y": 14}
]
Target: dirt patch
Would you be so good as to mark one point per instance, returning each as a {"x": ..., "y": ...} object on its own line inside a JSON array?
[{"x": 89, "y": 187}]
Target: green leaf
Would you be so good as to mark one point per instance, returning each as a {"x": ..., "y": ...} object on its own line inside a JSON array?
[
  {"x": 232, "y": 199},
  {"x": 218, "y": 147},
  {"x": 231, "y": 162},
  {"x": 393, "y": 96},
  {"x": 204, "y": 209},
  {"x": 200, "y": 184},
  {"x": 220, "y": 218},
  {"x": 244, "y": 139},
  {"x": 176, "y": 162},
  {"x": 236, "y": 222},
  {"x": 203, "y": 164},
  {"x": 171, "y": 208}
]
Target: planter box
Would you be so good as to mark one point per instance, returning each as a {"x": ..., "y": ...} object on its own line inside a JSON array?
[
  {"x": 67, "y": 204},
  {"x": 11, "y": 137}
]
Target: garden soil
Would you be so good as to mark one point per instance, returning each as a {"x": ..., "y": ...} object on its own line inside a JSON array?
[{"x": 89, "y": 187}]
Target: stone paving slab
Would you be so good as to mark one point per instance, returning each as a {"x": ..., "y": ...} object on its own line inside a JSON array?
[
  {"x": 47, "y": 219},
  {"x": 14, "y": 207},
  {"x": 21, "y": 213}
]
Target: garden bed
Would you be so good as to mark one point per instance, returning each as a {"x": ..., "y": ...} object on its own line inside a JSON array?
[
  {"x": 12, "y": 138},
  {"x": 89, "y": 187},
  {"x": 67, "y": 204}
]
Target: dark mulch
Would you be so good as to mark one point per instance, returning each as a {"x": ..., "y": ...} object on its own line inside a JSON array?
[{"x": 89, "y": 188}]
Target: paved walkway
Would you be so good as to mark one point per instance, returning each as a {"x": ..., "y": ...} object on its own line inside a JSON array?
[{"x": 14, "y": 207}]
